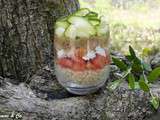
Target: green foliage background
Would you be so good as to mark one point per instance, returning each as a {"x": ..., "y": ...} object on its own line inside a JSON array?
[{"x": 132, "y": 22}]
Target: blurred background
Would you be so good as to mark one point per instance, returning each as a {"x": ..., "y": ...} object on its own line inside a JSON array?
[{"x": 132, "y": 22}]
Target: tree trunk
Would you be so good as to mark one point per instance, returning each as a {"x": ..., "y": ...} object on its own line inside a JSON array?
[{"x": 26, "y": 34}]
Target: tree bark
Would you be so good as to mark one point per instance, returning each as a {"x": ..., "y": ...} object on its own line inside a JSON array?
[
  {"x": 26, "y": 34},
  {"x": 121, "y": 104}
]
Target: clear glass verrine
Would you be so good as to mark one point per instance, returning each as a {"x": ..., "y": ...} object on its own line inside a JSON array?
[{"x": 82, "y": 58}]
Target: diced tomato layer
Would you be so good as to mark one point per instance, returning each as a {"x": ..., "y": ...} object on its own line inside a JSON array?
[
  {"x": 108, "y": 60},
  {"x": 99, "y": 61},
  {"x": 78, "y": 67},
  {"x": 78, "y": 64},
  {"x": 90, "y": 66},
  {"x": 65, "y": 62}
]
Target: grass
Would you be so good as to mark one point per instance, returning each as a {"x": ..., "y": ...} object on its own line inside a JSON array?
[{"x": 131, "y": 23}]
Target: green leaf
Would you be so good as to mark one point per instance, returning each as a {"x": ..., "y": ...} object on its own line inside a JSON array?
[
  {"x": 153, "y": 75},
  {"x": 136, "y": 66},
  {"x": 143, "y": 85},
  {"x": 129, "y": 58},
  {"x": 131, "y": 81},
  {"x": 132, "y": 52},
  {"x": 119, "y": 63},
  {"x": 113, "y": 85},
  {"x": 137, "y": 61},
  {"x": 146, "y": 66},
  {"x": 155, "y": 102},
  {"x": 136, "y": 85}
]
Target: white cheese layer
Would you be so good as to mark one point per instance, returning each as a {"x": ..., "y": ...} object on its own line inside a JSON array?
[
  {"x": 61, "y": 53},
  {"x": 59, "y": 31},
  {"x": 89, "y": 55},
  {"x": 100, "y": 51}
]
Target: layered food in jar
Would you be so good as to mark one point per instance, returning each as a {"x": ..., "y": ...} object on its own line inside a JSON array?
[{"x": 82, "y": 52}]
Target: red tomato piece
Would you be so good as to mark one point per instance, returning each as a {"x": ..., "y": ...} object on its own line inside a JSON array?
[
  {"x": 99, "y": 61},
  {"x": 90, "y": 66},
  {"x": 65, "y": 62},
  {"x": 78, "y": 64},
  {"x": 108, "y": 60},
  {"x": 78, "y": 67}
]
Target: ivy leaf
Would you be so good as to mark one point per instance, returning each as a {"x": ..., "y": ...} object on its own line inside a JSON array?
[
  {"x": 113, "y": 85},
  {"x": 120, "y": 64},
  {"x": 143, "y": 85},
  {"x": 132, "y": 52},
  {"x": 155, "y": 102},
  {"x": 146, "y": 66},
  {"x": 131, "y": 81},
  {"x": 153, "y": 75}
]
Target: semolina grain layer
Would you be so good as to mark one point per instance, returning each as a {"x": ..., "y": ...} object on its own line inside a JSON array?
[{"x": 84, "y": 78}]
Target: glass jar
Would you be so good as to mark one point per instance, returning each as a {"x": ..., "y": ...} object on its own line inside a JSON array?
[{"x": 82, "y": 58}]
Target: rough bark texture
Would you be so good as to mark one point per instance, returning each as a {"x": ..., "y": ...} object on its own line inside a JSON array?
[
  {"x": 26, "y": 34},
  {"x": 41, "y": 100}
]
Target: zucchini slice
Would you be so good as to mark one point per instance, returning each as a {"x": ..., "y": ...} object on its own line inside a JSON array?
[
  {"x": 83, "y": 27},
  {"x": 94, "y": 21},
  {"x": 92, "y": 15},
  {"x": 59, "y": 31},
  {"x": 71, "y": 32},
  {"x": 102, "y": 29},
  {"x": 93, "y": 18},
  {"x": 63, "y": 24},
  {"x": 82, "y": 12},
  {"x": 60, "y": 28}
]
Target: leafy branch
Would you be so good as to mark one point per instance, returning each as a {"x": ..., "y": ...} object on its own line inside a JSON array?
[{"x": 138, "y": 74}]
